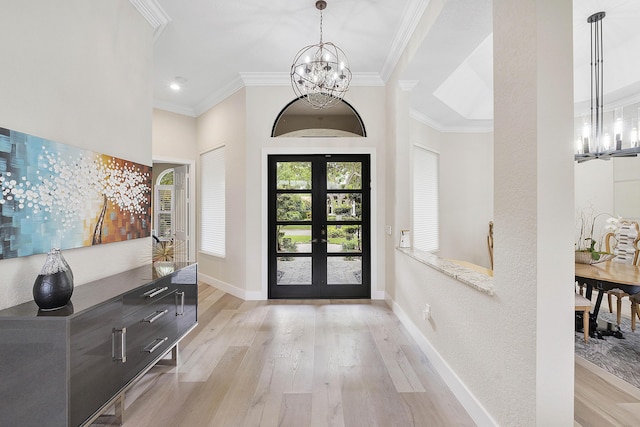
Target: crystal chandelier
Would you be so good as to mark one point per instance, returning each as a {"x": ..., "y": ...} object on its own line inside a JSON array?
[
  {"x": 320, "y": 73},
  {"x": 594, "y": 140}
]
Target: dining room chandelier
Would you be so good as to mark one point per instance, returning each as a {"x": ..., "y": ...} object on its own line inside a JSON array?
[
  {"x": 320, "y": 72},
  {"x": 600, "y": 136}
]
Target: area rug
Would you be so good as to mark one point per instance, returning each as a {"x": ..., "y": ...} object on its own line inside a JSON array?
[{"x": 620, "y": 357}]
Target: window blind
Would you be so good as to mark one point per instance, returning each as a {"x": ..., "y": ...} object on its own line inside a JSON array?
[
  {"x": 212, "y": 202},
  {"x": 425, "y": 200}
]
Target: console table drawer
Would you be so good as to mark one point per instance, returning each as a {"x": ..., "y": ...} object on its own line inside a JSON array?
[{"x": 72, "y": 363}]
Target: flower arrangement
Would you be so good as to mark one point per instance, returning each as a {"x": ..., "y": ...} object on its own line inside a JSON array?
[{"x": 588, "y": 248}]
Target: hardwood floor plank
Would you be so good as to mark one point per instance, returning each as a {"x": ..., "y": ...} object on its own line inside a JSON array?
[
  {"x": 296, "y": 410},
  {"x": 603, "y": 401},
  {"x": 239, "y": 402},
  {"x": 326, "y": 397},
  {"x": 204, "y": 400},
  {"x": 449, "y": 408},
  {"x": 207, "y": 350},
  {"x": 402, "y": 374}
]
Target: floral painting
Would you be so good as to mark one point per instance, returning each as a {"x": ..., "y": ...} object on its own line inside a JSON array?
[{"x": 57, "y": 195}]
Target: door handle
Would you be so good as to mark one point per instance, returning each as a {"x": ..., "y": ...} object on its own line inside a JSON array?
[{"x": 316, "y": 240}]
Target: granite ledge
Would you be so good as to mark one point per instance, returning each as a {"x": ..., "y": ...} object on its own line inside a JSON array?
[{"x": 476, "y": 280}]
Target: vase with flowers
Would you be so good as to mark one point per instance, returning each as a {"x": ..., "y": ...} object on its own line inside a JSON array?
[{"x": 588, "y": 248}]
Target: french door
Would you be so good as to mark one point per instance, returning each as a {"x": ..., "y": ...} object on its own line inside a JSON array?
[{"x": 319, "y": 226}]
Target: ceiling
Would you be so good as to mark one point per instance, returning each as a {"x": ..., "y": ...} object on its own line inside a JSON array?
[{"x": 216, "y": 47}]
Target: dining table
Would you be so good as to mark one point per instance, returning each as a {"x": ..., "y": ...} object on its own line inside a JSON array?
[{"x": 602, "y": 277}]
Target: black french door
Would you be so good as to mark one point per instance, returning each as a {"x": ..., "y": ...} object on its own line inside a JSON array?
[{"x": 319, "y": 226}]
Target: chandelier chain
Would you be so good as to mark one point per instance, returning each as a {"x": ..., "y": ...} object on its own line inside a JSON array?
[{"x": 320, "y": 26}]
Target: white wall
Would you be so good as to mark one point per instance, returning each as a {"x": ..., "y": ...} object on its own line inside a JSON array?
[
  {"x": 500, "y": 357},
  {"x": 466, "y": 196},
  {"x": 596, "y": 191},
  {"x": 263, "y": 106},
  {"x": 225, "y": 124},
  {"x": 174, "y": 136},
  {"x": 78, "y": 73}
]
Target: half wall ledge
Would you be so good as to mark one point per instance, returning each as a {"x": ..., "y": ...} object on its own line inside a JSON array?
[{"x": 477, "y": 280}]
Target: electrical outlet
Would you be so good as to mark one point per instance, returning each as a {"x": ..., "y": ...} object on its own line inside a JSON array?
[
  {"x": 387, "y": 230},
  {"x": 426, "y": 312}
]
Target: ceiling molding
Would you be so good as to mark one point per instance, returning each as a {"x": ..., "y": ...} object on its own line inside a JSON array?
[
  {"x": 424, "y": 119},
  {"x": 410, "y": 19},
  {"x": 367, "y": 79},
  {"x": 219, "y": 95},
  {"x": 284, "y": 79},
  {"x": 265, "y": 79},
  {"x": 154, "y": 14},
  {"x": 174, "y": 108},
  {"x": 408, "y": 85}
]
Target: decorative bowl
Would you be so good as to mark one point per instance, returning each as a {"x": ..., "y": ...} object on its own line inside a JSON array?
[{"x": 584, "y": 257}]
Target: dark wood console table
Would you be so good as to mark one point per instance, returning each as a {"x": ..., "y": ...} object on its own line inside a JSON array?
[{"x": 66, "y": 367}]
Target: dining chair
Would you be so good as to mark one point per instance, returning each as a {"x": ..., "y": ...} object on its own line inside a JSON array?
[
  {"x": 584, "y": 305},
  {"x": 624, "y": 244}
]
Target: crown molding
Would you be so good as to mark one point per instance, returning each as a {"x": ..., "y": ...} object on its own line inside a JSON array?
[
  {"x": 174, "y": 108},
  {"x": 408, "y": 85},
  {"x": 410, "y": 19},
  {"x": 284, "y": 79},
  {"x": 367, "y": 79},
  {"x": 265, "y": 79},
  {"x": 424, "y": 119},
  {"x": 219, "y": 96},
  {"x": 154, "y": 14}
]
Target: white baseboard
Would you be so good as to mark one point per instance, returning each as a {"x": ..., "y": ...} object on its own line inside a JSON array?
[
  {"x": 462, "y": 393},
  {"x": 378, "y": 295},
  {"x": 223, "y": 286}
]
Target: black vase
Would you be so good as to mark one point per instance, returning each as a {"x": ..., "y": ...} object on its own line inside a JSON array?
[{"x": 54, "y": 285}]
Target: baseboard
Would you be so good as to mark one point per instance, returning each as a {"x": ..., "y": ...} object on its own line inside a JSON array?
[
  {"x": 230, "y": 289},
  {"x": 463, "y": 394},
  {"x": 378, "y": 295}
]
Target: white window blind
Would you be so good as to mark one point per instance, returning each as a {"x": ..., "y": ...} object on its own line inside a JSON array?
[
  {"x": 212, "y": 202},
  {"x": 425, "y": 199}
]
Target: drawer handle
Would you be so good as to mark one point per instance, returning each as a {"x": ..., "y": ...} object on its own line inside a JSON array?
[
  {"x": 154, "y": 316},
  {"x": 154, "y": 345},
  {"x": 119, "y": 345},
  {"x": 179, "y": 303},
  {"x": 154, "y": 292}
]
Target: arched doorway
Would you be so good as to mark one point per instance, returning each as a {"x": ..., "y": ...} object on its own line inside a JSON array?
[{"x": 299, "y": 119}]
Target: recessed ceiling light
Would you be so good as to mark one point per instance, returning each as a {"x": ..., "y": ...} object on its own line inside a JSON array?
[{"x": 178, "y": 83}]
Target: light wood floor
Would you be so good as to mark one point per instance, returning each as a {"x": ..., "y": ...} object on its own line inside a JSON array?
[
  {"x": 602, "y": 399},
  {"x": 294, "y": 363},
  {"x": 322, "y": 363}
]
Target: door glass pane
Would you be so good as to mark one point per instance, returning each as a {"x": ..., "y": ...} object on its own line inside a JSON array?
[
  {"x": 294, "y": 271},
  {"x": 294, "y": 238},
  {"x": 164, "y": 226},
  {"x": 164, "y": 199},
  {"x": 344, "y": 175},
  {"x": 344, "y": 238},
  {"x": 293, "y": 175},
  {"x": 344, "y": 207},
  {"x": 293, "y": 207},
  {"x": 344, "y": 270}
]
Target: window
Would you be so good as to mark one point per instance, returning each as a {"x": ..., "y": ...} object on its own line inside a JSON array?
[
  {"x": 212, "y": 202},
  {"x": 425, "y": 199}
]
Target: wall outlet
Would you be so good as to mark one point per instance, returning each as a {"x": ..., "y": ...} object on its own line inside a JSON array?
[
  {"x": 426, "y": 312},
  {"x": 387, "y": 230}
]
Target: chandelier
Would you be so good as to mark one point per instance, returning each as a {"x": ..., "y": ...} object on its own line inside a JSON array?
[
  {"x": 320, "y": 73},
  {"x": 594, "y": 139}
]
